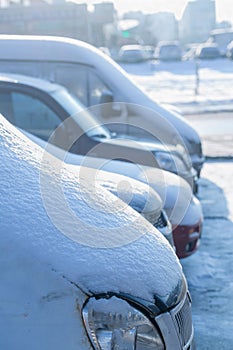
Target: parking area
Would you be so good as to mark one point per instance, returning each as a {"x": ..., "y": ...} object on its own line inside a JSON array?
[{"x": 209, "y": 271}]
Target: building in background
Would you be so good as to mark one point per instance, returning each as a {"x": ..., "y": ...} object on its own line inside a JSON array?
[
  {"x": 101, "y": 26},
  {"x": 152, "y": 28},
  {"x": 198, "y": 19},
  {"x": 162, "y": 26},
  {"x": 57, "y": 17},
  {"x": 41, "y": 18},
  {"x": 102, "y": 17}
]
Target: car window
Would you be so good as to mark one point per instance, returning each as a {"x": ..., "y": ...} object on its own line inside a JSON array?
[
  {"x": 33, "y": 115},
  {"x": 97, "y": 88},
  {"x": 81, "y": 81},
  {"x": 74, "y": 78}
]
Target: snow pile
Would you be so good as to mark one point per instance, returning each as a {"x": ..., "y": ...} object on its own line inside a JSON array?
[{"x": 31, "y": 179}]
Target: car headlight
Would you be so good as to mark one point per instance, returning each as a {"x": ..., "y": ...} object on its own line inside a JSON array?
[
  {"x": 114, "y": 324},
  {"x": 170, "y": 162}
]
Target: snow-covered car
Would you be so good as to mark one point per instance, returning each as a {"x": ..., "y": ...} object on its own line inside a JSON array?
[
  {"x": 181, "y": 206},
  {"x": 132, "y": 54},
  {"x": 168, "y": 51},
  {"x": 66, "y": 282},
  {"x": 138, "y": 195},
  {"x": 95, "y": 79},
  {"x": 44, "y": 109}
]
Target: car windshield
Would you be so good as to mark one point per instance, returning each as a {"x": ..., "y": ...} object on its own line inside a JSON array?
[
  {"x": 87, "y": 122},
  {"x": 132, "y": 53},
  {"x": 169, "y": 49}
]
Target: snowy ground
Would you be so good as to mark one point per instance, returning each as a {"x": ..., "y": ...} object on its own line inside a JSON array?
[
  {"x": 210, "y": 271},
  {"x": 175, "y": 83},
  {"x": 216, "y": 131}
]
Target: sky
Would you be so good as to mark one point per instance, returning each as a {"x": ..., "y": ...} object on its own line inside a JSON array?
[{"x": 224, "y": 8}]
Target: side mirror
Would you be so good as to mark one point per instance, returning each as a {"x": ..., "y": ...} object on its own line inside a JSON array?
[
  {"x": 106, "y": 97},
  {"x": 108, "y": 107}
]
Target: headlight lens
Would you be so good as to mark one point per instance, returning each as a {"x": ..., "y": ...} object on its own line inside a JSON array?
[
  {"x": 170, "y": 162},
  {"x": 112, "y": 324}
]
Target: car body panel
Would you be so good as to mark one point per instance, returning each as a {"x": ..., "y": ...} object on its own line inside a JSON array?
[
  {"x": 68, "y": 51},
  {"x": 78, "y": 125}
]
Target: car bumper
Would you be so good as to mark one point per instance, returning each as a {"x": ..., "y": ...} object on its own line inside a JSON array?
[{"x": 187, "y": 239}]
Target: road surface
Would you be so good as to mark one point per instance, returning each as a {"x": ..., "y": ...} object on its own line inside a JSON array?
[
  {"x": 210, "y": 270},
  {"x": 216, "y": 131}
]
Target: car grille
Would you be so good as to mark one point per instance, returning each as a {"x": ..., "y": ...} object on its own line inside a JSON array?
[
  {"x": 183, "y": 322},
  {"x": 161, "y": 221}
]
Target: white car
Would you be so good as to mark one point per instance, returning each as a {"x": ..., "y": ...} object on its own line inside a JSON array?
[
  {"x": 132, "y": 54},
  {"x": 75, "y": 276},
  {"x": 96, "y": 79}
]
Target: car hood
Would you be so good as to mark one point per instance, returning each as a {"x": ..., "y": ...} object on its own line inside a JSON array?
[{"x": 80, "y": 233}]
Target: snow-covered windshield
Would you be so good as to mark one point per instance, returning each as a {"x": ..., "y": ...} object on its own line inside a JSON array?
[{"x": 88, "y": 122}]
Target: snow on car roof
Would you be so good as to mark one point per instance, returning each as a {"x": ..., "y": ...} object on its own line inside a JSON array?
[
  {"x": 41, "y": 47},
  {"x": 106, "y": 248}
]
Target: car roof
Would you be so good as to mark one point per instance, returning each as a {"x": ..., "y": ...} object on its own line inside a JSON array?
[
  {"x": 37, "y": 83},
  {"x": 131, "y": 47},
  {"x": 48, "y": 48}
]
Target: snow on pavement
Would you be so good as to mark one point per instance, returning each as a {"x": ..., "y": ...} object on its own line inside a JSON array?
[
  {"x": 209, "y": 272},
  {"x": 175, "y": 82}
]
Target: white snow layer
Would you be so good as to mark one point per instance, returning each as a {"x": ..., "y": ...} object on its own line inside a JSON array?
[
  {"x": 176, "y": 195},
  {"x": 105, "y": 246},
  {"x": 175, "y": 83}
]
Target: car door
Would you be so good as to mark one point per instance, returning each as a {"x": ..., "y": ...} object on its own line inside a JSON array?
[
  {"x": 35, "y": 112},
  {"x": 38, "y": 113},
  {"x": 29, "y": 113}
]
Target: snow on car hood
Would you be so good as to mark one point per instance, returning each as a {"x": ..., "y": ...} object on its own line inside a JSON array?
[
  {"x": 141, "y": 197},
  {"x": 175, "y": 193},
  {"x": 107, "y": 247},
  {"x": 138, "y": 195}
]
